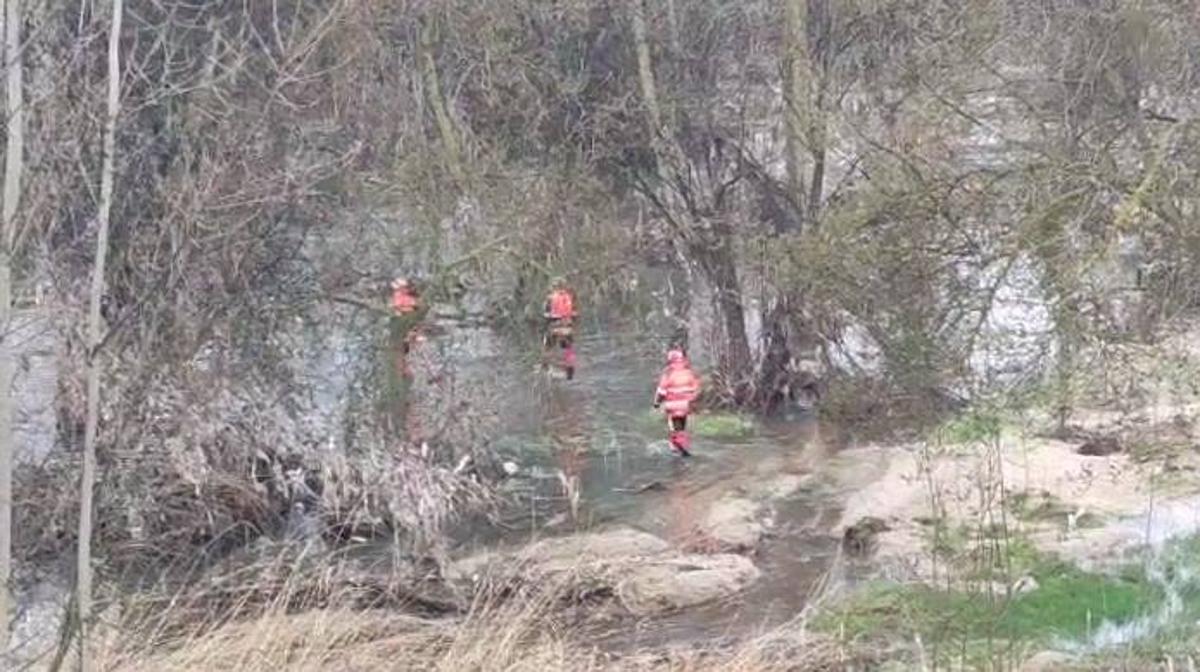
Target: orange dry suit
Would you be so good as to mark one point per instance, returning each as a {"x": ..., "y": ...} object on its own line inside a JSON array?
[
  {"x": 560, "y": 314},
  {"x": 560, "y": 305},
  {"x": 404, "y": 301},
  {"x": 677, "y": 388}
]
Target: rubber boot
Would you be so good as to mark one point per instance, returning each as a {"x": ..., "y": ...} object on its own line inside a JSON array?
[
  {"x": 680, "y": 443},
  {"x": 569, "y": 361}
]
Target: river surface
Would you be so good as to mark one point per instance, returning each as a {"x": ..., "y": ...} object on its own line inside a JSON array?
[{"x": 591, "y": 453}]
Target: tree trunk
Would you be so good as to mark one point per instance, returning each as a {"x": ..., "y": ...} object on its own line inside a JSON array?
[
  {"x": 432, "y": 82},
  {"x": 819, "y": 56},
  {"x": 95, "y": 334},
  {"x": 641, "y": 43},
  {"x": 806, "y": 71},
  {"x": 14, "y": 165},
  {"x": 734, "y": 361},
  {"x": 708, "y": 240},
  {"x": 673, "y": 26},
  {"x": 795, "y": 99}
]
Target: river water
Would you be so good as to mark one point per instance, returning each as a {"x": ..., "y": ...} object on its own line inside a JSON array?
[{"x": 590, "y": 453}]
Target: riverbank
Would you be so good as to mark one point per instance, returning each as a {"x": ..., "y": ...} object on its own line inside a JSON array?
[
  {"x": 522, "y": 633},
  {"x": 999, "y": 537},
  {"x": 1010, "y": 535}
]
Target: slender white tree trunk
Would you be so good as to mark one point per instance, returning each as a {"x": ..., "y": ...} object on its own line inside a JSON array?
[
  {"x": 95, "y": 333},
  {"x": 795, "y": 94},
  {"x": 14, "y": 164},
  {"x": 641, "y": 42}
]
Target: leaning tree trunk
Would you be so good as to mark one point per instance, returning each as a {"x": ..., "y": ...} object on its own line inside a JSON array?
[
  {"x": 806, "y": 59},
  {"x": 795, "y": 101},
  {"x": 95, "y": 334},
  {"x": 708, "y": 241},
  {"x": 14, "y": 165},
  {"x": 734, "y": 362}
]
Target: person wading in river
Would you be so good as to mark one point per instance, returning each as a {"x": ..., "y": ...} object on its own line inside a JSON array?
[
  {"x": 406, "y": 307},
  {"x": 677, "y": 389},
  {"x": 560, "y": 315},
  {"x": 407, "y": 312}
]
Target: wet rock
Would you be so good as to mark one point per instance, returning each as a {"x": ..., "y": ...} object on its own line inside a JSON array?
[
  {"x": 561, "y": 554},
  {"x": 733, "y": 524},
  {"x": 644, "y": 573},
  {"x": 1048, "y": 661},
  {"x": 785, "y": 485},
  {"x": 652, "y": 486},
  {"x": 1100, "y": 446},
  {"x": 675, "y": 583},
  {"x": 859, "y": 539},
  {"x": 1025, "y": 584}
]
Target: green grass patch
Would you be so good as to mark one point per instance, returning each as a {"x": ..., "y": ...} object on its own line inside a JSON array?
[
  {"x": 1043, "y": 507},
  {"x": 1179, "y": 567},
  {"x": 1147, "y": 451},
  {"x": 714, "y": 425},
  {"x": 1066, "y": 604},
  {"x": 981, "y": 553},
  {"x": 723, "y": 425}
]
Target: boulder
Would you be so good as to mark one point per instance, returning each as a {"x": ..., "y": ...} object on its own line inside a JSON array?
[
  {"x": 785, "y": 485},
  {"x": 859, "y": 539},
  {"x": 733, "y": 523},
  {"x": 561, "y": 554},
  {"x": 1100, "y": 446},
  {"x": 668, "y": 584},
  {"x": 642, "y": 570},
  {"x": 1025, "y": 584}
]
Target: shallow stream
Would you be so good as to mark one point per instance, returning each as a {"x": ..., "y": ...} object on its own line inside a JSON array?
[{"x": 590, "y": 453}]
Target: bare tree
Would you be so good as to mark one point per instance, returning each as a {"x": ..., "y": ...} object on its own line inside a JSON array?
[
  {"x": 13, "y": 167},
  {"x": 95, "y": 333}
]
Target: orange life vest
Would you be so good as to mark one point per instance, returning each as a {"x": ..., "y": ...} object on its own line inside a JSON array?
[
  {"x": 561, "y": 305},
  {"x": 404, "y": 301},
  {"x": 678, "y": 388}
]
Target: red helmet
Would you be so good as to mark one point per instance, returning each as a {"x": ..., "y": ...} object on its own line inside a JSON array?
[{"x": 676, "y": 356}]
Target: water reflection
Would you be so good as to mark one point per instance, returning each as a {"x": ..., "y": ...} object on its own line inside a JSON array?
[
  {"x": 567, "y": 423},
  {"x": 590, "y": 452}
]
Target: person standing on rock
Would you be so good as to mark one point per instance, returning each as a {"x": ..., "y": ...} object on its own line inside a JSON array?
[
  {"x": 560, "y": 315},
  {"x": 678, "y": 387}
]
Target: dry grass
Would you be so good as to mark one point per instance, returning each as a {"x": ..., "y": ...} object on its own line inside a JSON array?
[{"x": 525, "y": 630}]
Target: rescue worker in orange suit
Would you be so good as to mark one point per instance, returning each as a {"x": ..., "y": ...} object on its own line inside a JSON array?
[
  {"x": 404, "y": 298},
  {"x": 560, "y": 315},
  {"x": 405, "y": 306},
  {"x": 677, "y": 390},
  {"x": 407, "y": 312}
]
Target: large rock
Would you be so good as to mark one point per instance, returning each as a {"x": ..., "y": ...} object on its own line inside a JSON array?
[
  {"x": 642, "y": 570},
  {"x": 674, "y": 583},
  {"x": 732, "y": 523},
  {"x": 560, "y": 554},
  {"x": 784, "y": 486},
  {"x": 859, "y": 539}
]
